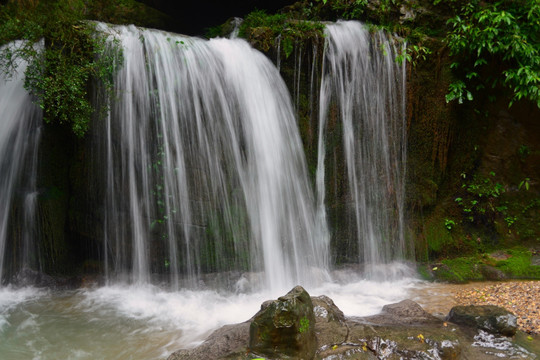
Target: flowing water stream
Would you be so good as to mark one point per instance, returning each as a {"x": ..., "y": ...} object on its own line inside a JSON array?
[
  {"x": 20, "y": 120},
  {"x": 206, "y": 182},
  {"x": 365, "y": 85}
]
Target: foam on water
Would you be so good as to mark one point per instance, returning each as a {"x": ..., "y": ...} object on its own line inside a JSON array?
[
  {"x": 195, "y": 313},
  {"x": 366, "y": 297},
  {"x": 11, "y": 298},
  {"x": 148, "y": 322}
]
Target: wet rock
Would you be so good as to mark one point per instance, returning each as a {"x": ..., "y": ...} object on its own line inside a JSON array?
[
  {"x": 330, "y": 326},
  {"x": 415, "y": 341},
  {"x": 285, "y": 328},
  {"x": 227, "y": 342},
  {"x": 406, "y": 312},
  {"x": 535, "y": 259},
  {"x": 325, "y": 310},
  {"x": 499, "y": 255},
  {"x": 493, "y": 319},
  {"x": 29, "y": 277}
]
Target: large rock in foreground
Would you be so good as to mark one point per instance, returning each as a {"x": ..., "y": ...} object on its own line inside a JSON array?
[
  {"x": 493, "y": 319},
  {"x": 285, "y": 328},
  {"x": 296, "y": 326}
]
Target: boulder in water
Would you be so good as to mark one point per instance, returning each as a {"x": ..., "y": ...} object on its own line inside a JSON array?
[
  {"x": 285, "y": 328},
  {"x": 493, "y": 319}
]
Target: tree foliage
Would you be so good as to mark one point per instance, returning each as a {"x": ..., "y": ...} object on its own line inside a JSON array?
[
  {"x": 496, "y": 35},
  {"x": 73, "y": 53}
]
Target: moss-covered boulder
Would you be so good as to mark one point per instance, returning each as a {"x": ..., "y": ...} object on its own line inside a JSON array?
[{"x": 285, "y": 328}]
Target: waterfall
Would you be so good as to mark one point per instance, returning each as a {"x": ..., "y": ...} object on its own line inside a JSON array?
[
  {"x": 204, "y": 167},
  {"x": 19, "y": 137},
  {"x": 200, "y": 169},
  {"x": 363, "y": 89}
]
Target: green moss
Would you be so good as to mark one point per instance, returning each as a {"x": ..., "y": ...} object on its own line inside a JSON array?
[
  {"x": 262, "y": 30},
  {"x": 518, "y": 265},
  {"x": 304, "y": 325},
  {"x": 438, "y": 236},
  {"x": 465, "y": 269}
]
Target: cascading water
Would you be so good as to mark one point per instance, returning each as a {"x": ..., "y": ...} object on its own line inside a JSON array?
[
  {"x": 205, "y": 168},
  {"x": 202, "y": 171},
  {"x": 19, "y": 137},
  {"x": 364, "y": 87}
]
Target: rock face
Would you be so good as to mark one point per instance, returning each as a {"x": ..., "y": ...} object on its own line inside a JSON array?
[
  {"x": 493, "y": 319},
  {"x": 285, "y": 328}
]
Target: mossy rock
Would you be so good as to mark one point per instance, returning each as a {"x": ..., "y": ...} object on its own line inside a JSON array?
[
  {"x": 285, "y": 328},
  {"x": 518, "y": 265},
  {"x": 501, "y": 265}
]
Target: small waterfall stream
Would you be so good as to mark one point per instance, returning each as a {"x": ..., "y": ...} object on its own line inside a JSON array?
[
  {"x": 365, "y": 85},
  {"x": 20, "y": 119}
]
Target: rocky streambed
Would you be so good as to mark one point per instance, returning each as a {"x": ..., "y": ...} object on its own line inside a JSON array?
[{"x": 297, "y": 326}]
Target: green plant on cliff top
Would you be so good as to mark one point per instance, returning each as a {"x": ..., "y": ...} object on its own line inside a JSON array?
[
  {"x": 73, "y": 55},
  {"x": 264, "y": 29},
  {"x": 349, "y": 9},
  {"x": 496, "y": 44}
]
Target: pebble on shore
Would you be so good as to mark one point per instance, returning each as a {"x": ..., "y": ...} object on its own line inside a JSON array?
[{"x": 520, "y": 297}]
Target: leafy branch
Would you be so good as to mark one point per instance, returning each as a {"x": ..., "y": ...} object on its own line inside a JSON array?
[{"x": 505, "y": 33}]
